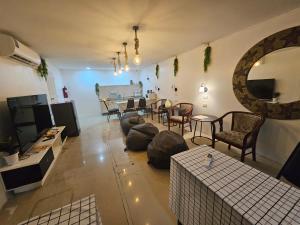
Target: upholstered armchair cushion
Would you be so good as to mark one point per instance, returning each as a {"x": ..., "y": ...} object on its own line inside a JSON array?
[
  {"x": 233, "y": 136},
  {"x": 245, "y": 123},
  {"x": 178, "y": 119}
]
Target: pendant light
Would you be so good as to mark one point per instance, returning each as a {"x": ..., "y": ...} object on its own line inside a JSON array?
[
  {"x": 119, "y": 63},
  {"x": 126, "y": 67},
  {"x": 115, "y": 67},
  {"x": 137, "y": 57}
]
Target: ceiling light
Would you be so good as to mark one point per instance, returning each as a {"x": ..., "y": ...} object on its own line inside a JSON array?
[
  {"x": 137, "y": 58},
  {"x": 87, "y": 68},
  {"x": 126, "y": 67},
  {"x": 119, "y": 63},
  {"x": 115, "y": 67}
]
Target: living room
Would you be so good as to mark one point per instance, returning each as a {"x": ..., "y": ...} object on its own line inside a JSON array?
[{"x": 101, "y": 55}]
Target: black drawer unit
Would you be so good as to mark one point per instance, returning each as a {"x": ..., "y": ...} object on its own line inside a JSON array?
[{"x": 29, "y": 174}]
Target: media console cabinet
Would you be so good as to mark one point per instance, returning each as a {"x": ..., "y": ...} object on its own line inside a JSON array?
[{"x": 31, "y": 172}]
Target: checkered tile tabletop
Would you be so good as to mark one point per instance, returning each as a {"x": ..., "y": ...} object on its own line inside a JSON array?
[
  {"x": 81, "y": 212},
  {"x": 228, "y": 192}
]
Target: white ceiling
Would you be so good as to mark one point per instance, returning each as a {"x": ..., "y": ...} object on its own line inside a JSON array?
[{"x": 80, "y": 33}]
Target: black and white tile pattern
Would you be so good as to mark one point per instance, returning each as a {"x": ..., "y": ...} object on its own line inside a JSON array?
[
  {"x": 228, "y": 192},
  {"x": 81, "y": 212}
]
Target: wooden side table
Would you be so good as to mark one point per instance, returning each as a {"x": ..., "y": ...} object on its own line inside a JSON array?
[{"x": 203, "y": 118}]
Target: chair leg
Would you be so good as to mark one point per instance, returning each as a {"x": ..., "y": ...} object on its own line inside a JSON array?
[
  {"x": 243, "y": 155},
  {"x": 213, "y": 141},
  {"x": 191, "y": 129},
  {"x": 254, "y": 153},
  {"x": 108, "y": 117},
  {"x": 158, "y": 115},
  {"x": 151, "y": 114},
  {"x": 179, "y": 223},
  {"x": 168, "y": 124},
  {"x": 229, "y": 147},
  {"x": 182, "y": 129}
]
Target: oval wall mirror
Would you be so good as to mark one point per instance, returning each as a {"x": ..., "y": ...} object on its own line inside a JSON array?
[{"x": 267, "y": 78}]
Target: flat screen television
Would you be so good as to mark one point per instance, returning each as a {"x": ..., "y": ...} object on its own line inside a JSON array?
[
  {"x": 262, "y": 88},
  {"x": 31, "y": 117}
]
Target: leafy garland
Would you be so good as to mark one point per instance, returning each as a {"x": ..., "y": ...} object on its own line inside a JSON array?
[
  {"x": 157, "y": 71},
  {"x": 175, "y": 66},
  {"x": 43, "y": 69},
  {"x": 207, "y": 57},
  {"x": 97, "y": 89},
  {"x": 140, "y": 84},
  {"x": 131, "y": 82}
]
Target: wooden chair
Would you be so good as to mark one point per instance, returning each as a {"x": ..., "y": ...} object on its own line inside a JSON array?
[
  {"x": 112, "y": 111},
  {"x": 184, "y": 114},
  {"x": 130, "y": 105},
  {"x": 291, "y": 169},
  {"x": 158, "y": 108},
  {"x": 243, "y": 134}
]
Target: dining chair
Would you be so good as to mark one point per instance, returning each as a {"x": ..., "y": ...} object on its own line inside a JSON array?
[
  {"x": 182, "y": 117},
  {"x": 112, "y": 111},
  {"x": 243, "y": 134},
  {"x": 142, "y": 106},
  {"x": 130, "y": 105},
  {"x": 158, "y": 107},
  {"x": 291, "y": 169}
]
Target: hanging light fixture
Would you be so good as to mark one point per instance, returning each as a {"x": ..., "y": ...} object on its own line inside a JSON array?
[
  {"x": 126, "y": 67},
  {"x": 115, "y": 66},
  {"x": 119, "y": 63},
  {"x": 137, "y": 57}
]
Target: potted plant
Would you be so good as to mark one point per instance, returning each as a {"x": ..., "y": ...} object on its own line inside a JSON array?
[
  {"x": 275, "y": 97},
  {"x": 11, "y": 151}
]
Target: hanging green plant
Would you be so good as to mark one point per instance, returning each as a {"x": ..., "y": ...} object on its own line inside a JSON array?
[
  {"x": 157, "y": 71},
  {"x": 131, "y": 82},
  {"x": 141, "y": 84},
  {"x": 97, "y": 89},
  {"x": 43, "y": 69},
  {"x": 175, "y": 66},
  {"x": 207, "y": 57}
]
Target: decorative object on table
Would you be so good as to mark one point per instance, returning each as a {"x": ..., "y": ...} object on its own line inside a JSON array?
[
  {"x": 176, "y": 66},
  {"x": 183, "y": 117},
  {"x": 140, "y": 136},
  {"x": 157, "y": 71},
  {"x": 43, "y": 69},
  {"x": 97, "y": 89},
  {"x": 126, "y": 66},
  {"x": 115, "y": 66},
  {"x": 291, "y": 168},
  {"x": 209, "y": 160},
  {"x": 11, "y": 151},
  {"x": 163, "y": 146},
  {"x": 119, "y": 63},
  {"x": 286, "y": 111},
  {"x": 168, "y": 103},
  {"x": 158, "y": 107},
  {"x": 243, "y": 134},
  {"x": 207, "y": 57},
  {"x": 275, "y": 97},
  {"x": 137, "y": 58}
]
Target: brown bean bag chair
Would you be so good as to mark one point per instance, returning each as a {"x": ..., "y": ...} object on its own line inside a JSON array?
[
  {"x": 128, "y": 122},
  {"x": 163, "y": 146}
]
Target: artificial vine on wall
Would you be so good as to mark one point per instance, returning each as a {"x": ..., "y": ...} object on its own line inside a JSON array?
[
  {"x": 157, "y": 71},
  {"x": 97, "y": 89},
  {"x": 175, "y": 66},
  {"x": 43, "y": 69},
  {"x": 207, "y": 57}
]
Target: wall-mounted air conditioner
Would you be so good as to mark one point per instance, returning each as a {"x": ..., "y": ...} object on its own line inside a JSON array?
[{"x": 10, "y": 47}]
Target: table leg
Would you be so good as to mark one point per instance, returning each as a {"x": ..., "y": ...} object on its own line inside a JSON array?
[{"x": 195, "y": 128}]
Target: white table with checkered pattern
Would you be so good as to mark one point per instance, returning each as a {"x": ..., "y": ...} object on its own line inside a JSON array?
[
  {"x": 228, "y": 192},
  {"x": 81, "y": 212}
]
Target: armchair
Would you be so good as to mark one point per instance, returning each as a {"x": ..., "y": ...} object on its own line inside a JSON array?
[
  {"x": 243, "y": 134},
  {"x": 158, "y": 108},
  {"x": 183, "y": 116}
]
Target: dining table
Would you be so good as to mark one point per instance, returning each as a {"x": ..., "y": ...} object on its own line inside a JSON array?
[{"x": 209, "y": 187}]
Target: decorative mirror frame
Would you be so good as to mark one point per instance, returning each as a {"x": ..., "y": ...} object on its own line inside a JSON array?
[{"x": 285, "y": 111}]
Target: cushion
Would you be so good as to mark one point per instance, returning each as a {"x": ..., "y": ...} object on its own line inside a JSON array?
[
  {"x": 233, "y": 136},
  {"x": 140, "y": 136},
  {"x": 244, "y": 122},
  {"x": 178, "y": 118},
  {"x": 163, "y": 146},
  {"x": 128, "y": 123}
]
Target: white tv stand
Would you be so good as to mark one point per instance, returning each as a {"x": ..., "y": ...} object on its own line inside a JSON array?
[{"x": 31, "y": 172}]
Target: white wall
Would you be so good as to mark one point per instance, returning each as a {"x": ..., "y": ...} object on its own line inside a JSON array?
[
  {"x": 17, "y": 80},
  {"x": 81, "y": 87},
  {"x": 277, "y": 138}
]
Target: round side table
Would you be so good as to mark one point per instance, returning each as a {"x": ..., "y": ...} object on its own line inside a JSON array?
[{"x": 202, "y": 118}]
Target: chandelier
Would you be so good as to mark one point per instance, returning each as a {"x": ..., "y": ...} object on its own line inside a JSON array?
[
  {"x": 137, "y": 57},
  {"x": 126, "y": 66},
  {"x": 119, "y": 63},
  {"x": 115, "y": 67}
]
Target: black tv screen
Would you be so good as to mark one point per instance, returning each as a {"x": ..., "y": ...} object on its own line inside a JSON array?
[
  {"x": 30, "y": 116},
  {"x": 262, "y": 89}
]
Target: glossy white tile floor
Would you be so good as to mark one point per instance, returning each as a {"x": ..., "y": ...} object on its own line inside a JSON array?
[{"x": 127, "y": 189}]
